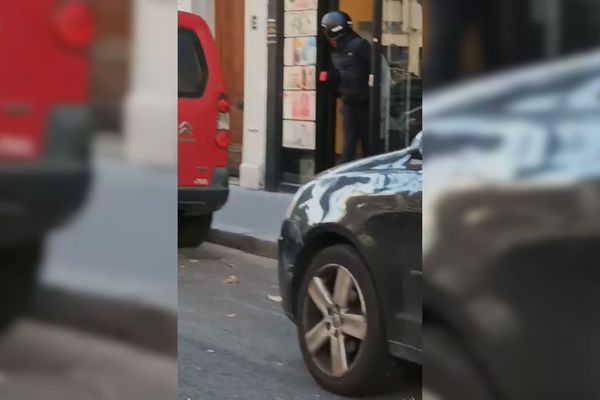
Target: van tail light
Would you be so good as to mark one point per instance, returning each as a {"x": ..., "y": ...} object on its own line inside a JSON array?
[
  {"x": 223, "y": 122},
  {"x": 222, "y": 139},
  {"x": 223, "y": 105},
  {"x": 74, "y": 23}
]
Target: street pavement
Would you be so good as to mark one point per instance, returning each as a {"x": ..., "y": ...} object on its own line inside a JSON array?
[
  {"x": 122, "y": 245},
  {"x": 40, "y": 361},
  {"x": 235, "y": 342},
  {"x": 253, "y": 213}
]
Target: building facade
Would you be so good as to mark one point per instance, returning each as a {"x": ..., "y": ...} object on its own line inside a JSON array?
[
  {"x": 239, "y": 30},
  {"x": 304, "y": 129},
  {"x": 285, "y": 127}
]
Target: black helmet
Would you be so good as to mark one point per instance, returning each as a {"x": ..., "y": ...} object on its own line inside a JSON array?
[{"x": 336, "y": 24}]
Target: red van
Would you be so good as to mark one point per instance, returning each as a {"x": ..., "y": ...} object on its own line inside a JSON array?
[
  {"x": 203, "y": 131},
  {"x": 44, "y": 133}
]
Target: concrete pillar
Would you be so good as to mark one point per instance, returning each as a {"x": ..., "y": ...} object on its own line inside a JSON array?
[
  {"x": 151, "y": 105},
  {"x": 254, "y": 152},
  {"x": 184, "y": 5}
]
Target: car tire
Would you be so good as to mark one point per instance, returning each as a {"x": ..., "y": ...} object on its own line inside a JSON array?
[
  {"x": 193, "y": 230},
  {"x": 449, "y": 373},
  {"x": 370, "y": 366},
  {"x": 18, "y": 276}
]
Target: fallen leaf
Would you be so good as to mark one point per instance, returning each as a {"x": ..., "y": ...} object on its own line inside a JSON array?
[
  {"x": 233, "y": 266},
  {"x": 231, "y": 315},
  {"x": 232, "y": 280},
  {"x": 276, "y": 299}
]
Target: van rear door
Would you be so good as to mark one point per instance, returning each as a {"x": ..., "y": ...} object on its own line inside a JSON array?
[
  {"x": 199, "y": 89},
  {"x": 43, "y": 64}
]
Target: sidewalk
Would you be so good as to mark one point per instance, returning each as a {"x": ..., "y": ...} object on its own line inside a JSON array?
[
  {"x": 111, "y": 269},
  {"x": 251, "y": 221}
]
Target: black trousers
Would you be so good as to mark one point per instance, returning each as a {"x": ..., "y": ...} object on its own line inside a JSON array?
[{"x": 355, "y": 118}]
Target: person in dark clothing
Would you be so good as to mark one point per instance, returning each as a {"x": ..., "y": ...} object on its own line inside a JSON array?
[{"x": 349, "y": 76}]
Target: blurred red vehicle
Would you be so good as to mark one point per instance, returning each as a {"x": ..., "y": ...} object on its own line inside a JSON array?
[
  {"x": 203, "y": 132},
  {"x": 44, "y": 133}
]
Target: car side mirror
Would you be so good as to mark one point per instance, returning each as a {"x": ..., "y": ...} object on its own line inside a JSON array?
[
  {"x": 416, "y": 146},
  {"x": 415, "y": 153}
]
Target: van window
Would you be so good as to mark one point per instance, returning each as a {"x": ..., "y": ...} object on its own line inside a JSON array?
[{"x": 192, "y": 68}]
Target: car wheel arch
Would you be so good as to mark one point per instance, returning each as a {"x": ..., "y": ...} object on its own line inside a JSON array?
[
  {"x": 436, "y": 318},
  {"x": 314, "y": 243}
]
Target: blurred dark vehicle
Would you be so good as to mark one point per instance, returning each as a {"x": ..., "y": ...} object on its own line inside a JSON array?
[
  {"x": 203, "y": 117},
  {"x": 511, "y": 228},
  {"x": 350, "y": 270},
  {"x": 44, "y": 134},
  {"x": 512, "y": 236},
  {"x": 469, "y": 38}
]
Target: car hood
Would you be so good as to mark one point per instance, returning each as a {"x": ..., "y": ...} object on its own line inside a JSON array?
[{"x": 398, "y": 160}]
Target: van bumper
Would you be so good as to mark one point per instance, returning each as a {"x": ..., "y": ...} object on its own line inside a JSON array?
[
  {"x": 195, "y": 201},
  {"x": 40, "y": 195},
  {"x": 37, "y": 198}
]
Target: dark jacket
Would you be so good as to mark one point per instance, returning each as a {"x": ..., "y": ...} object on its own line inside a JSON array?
[{"x": 351, "y": 68}]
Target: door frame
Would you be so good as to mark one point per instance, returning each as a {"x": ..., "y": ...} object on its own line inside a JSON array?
[
  {"x": 236, "y": 102},
  {"x": 326, "y": 103}
]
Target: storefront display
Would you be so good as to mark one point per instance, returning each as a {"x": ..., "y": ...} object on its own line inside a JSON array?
[{"x": 304, "y": 115}]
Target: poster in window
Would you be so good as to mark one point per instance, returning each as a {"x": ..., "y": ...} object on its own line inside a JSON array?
[
  {"x": 299, "y": 105},
  {"x": 300, "y": 51},
  {"x": 299, "y": 78},
  {"x": 299, "y": 135},
  {"x": 297, "y": 5},
  {"x": 301, "y": 23}
]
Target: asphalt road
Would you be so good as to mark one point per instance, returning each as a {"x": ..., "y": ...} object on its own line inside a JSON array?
[
  {"x": 234, "y": 342},
  {"x": 40, "y": 361}
]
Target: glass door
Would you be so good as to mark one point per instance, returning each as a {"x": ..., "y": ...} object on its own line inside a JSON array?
[{"x": 401, "y": 72}]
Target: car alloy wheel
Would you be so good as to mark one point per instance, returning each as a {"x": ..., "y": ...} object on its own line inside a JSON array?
[{"x": 335, "y": 319}]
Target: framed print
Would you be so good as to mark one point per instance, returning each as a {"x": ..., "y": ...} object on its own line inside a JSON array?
[
  {"x": 299, "y": 105},
  {"x": 300, "y": 51},
  {"x": 299, "y": 135},
  {"x": 298, "y": 5},
  {"x": 301, "y": 23},
  {"x": 299, "y": 78}
]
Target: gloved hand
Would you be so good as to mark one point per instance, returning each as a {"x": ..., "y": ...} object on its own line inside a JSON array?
[{"x": 323, "y": 76}]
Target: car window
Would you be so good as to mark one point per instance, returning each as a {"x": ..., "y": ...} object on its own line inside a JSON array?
[{"x": 192, "y": 68}]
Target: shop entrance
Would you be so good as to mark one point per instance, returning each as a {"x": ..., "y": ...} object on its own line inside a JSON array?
[
  {"x": 400, "y": 51},
  {"x": 308, "y": 126},
  {"x": 362, "y": 17}
]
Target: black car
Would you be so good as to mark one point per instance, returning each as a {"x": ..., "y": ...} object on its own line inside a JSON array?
[
  {"x": 512, "y": 235},
  {"x": 350, "y": 269}
]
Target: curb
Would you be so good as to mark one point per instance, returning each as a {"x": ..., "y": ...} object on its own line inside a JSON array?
[
  {"x": 144, "y": 326},
  {"x": 245, "y": 243}
]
